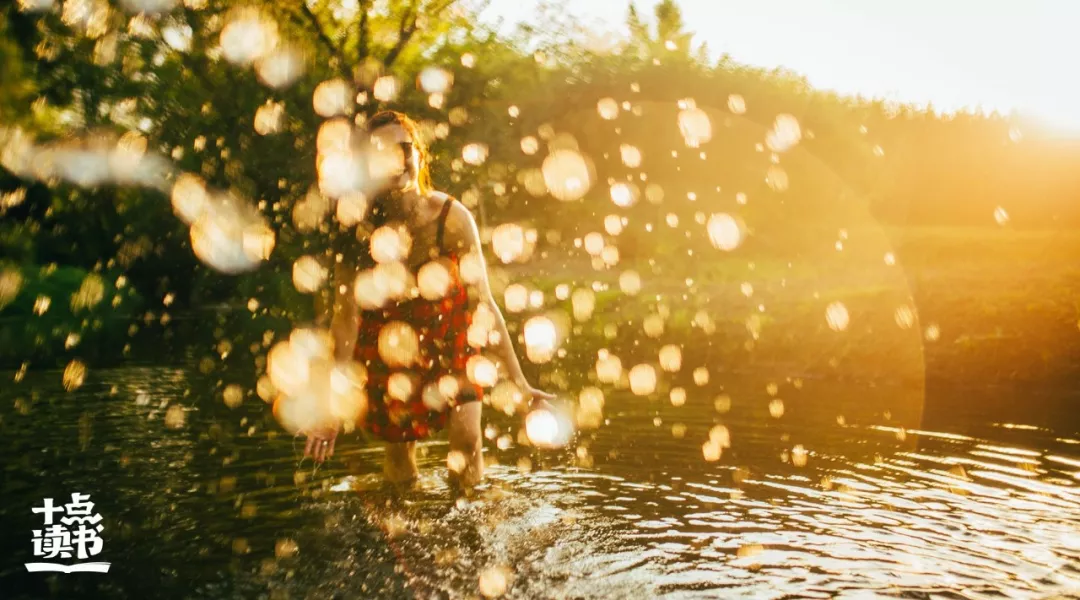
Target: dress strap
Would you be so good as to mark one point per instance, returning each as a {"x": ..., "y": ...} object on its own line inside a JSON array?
[{"x": 442, "y": 223}]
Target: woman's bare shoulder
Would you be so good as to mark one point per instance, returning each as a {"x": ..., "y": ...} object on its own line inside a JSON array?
[{"x": 461, "y": 229}]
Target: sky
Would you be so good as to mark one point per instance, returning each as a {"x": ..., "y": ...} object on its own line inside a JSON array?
[{"x": 1007, "y": 55}]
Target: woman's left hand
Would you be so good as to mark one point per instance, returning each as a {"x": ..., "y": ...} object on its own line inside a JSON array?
[
  {"x": 320, "y": 444},
  {"x": 536, "y": 398}
]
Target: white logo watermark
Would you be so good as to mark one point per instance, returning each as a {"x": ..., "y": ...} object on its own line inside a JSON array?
[{"x": 75, "y": 533}]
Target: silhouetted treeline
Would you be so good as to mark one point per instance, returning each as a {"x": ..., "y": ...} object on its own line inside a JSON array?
[{"x": 906, "y": 166}]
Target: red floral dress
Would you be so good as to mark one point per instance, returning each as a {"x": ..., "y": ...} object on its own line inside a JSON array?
[{"x": 440, "y": 327}]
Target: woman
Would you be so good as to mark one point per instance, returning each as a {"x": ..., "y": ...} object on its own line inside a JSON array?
[{"x": 406, "y": 397}]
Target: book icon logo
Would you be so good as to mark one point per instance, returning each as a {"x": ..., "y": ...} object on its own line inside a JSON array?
[{"x": 70, "y": 531}]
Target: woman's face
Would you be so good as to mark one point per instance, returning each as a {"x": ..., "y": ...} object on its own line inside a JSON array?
[{"x": 394, "y": 141}]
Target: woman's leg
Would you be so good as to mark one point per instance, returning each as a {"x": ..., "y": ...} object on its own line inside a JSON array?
[
  {"x": 400, "y": 465},
  {"x": 465, "y": 460}
]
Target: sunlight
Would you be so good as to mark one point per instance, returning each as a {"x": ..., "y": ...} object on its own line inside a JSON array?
[{"x": 1017, "y": 57}]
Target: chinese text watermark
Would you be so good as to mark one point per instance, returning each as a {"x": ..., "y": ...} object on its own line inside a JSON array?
[{"x": 76, "y": 535}]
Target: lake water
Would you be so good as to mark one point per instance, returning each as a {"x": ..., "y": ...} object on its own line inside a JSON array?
[{"x": 958, "y": 494}]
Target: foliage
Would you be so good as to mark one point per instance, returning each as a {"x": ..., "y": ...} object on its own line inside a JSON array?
[
  {"x": 63, "y": 310},
  {"x": 859, "y": 160}
]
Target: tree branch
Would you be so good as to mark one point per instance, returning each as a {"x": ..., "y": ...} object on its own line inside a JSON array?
[
  {"x": 332, "y": 48},
  {"x": 439, "y": 7},
  {"x": 362, "y": 49},
  {"x": 405, "y": 32}
]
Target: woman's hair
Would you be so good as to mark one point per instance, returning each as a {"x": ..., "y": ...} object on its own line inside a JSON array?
[{"x": 391, "y": 117}]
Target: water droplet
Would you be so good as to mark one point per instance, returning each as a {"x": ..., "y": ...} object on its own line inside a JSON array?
[
  {"x": 233, "y": 395},
  {"x": 434, "y": 280},
  {"x": 230, "y": 236},
  {"x": 41, "y": 305},
  {"x": 671, "y": 358},
  {"x": 89, "y": 16},
  {"x": 399, "y": 344},
  {"x": 711, "y": 451},
  {"x": 332, "y": 97},
  {"x": 516, "y": 298},
  {"x": 583, "y": 301},
  {"x": 494, "y": 581},
  {"x": 905, "y": 317},
  {"x": 280, "y": 68},
  {"x": 529, "y": 145},
  {"x": 566, "y": 175},
  {"x": 736, "y": 104},
  {"x": 248, "y": 35},
  {"x": 351, "y": 208},
  {"x": 308, "y": 275},
  {"x": 175, "y": 416},
  {"x": 177, "y": 36},
  {"x": 677, "y": 396},
  {"x": 456, "y": 461},
  {"x": 11, "y": 281},
  {"x": 836, "y": 315},
  {"x": 695, "y": 126},
  {"x": 189, "y": 197},
  {"x": 436, "y": 80},
  {"x": 799, "y": 456},
  {"x": 594, "y": 243},
  {"x": 269, "y": 118},
  {"x": 385, "y": 89},
  {"x": 608, "y": 108},
  {"x": 74, "y": 375},
  {"x": 390, "y": 244},
  {"x": 91, "y": 291},
  {"x": 653, "y": 325},
  {"x": 777, "y": 178},
  {"x": 482, "y": 371},
  {"x": 285, "y": 548},
  {"x": 785, "y": 134},
  {"x": 701, "y": 376},
  {"x": 725, "y": 232},
  {"x": 623, "y": 194},
  {"x": 933, "y": 333},
  {"x": 608, "y": 368},
  {"x": 642, "y": 379},
  {"x": 36, "y": 5},
  {"x": 541, "y": 339},
  {"x": 613, "y": 224},
  {"x": 630, "y": 155},
  {"x": 630, "y": 283},
  {"x": 474, "y": 153}
]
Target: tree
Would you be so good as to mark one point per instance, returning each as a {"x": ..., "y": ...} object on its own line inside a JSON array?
[{"x": 670, "y": 27}]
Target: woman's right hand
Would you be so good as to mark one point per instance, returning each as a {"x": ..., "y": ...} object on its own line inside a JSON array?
[{"x": 320, "y": 444}]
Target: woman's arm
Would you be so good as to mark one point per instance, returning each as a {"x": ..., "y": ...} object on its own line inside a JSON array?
[
  {"x": 463, "y": 234},
  {"x": 344, "y": 329},
  {"x": 345, "y": 322}
]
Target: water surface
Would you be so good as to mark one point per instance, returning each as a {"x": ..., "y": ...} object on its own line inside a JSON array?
[{"x": 981, "y": 500}]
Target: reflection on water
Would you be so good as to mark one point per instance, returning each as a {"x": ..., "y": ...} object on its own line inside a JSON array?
[{"x": 222, "y": 507}]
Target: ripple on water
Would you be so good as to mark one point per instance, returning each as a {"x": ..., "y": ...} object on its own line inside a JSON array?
[{"x": 214, "y": 502}]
